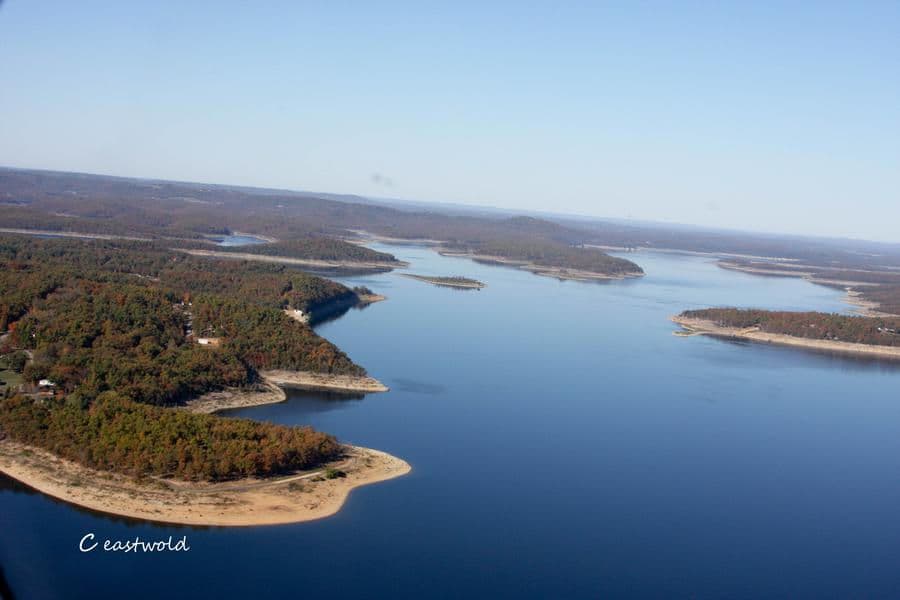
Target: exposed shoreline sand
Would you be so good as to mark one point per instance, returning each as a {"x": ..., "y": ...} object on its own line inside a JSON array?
[
  {"x": 271, "y": 390},
  {"x": 706, "y": 327},
  {"x": 290, "y": 499},
  {"x": 323, "y": 381}
]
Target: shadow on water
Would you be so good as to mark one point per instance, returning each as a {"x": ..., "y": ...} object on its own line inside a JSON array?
[
  {"x": 816, "y": 357},
  {"x": 6, "y": 592},
  {"x": 318, "y": 318},
  {"x": 299, "y": 403}
]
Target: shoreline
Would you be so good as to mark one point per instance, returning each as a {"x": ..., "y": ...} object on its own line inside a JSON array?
[
  {"x": 293, "y": 498},
  {"x": 307, "y": 380},
  {"x": 314, "y": 263},
  {"x": 853, "y": 297},
  {"x": 546, "y": 271},
  {"x": 72, "y": 234},
  {"x": 271, "y": 390},
  {"x": 753, "y": 334},
  {"x": 437, "y": 245}
]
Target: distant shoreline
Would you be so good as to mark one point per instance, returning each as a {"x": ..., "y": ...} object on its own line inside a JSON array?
[
  {"x": 314, "y": 263},
  {"x": 753, "y": 334},
  {"x": 547, "y": 271},
  {"x": 72, "y": 234},
  {"x": 293, "y": 498}
]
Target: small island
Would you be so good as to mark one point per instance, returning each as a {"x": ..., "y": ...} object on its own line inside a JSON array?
[
  {"x": 454, "y": 281},
  {"x": 872, "y": 336}
]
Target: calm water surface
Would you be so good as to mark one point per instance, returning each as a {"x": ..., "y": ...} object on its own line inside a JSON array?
[{"x": 564, "y": 443}]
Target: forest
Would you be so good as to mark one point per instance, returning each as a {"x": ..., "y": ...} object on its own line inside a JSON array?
[
  {"x": 113, "y": 324},
  {"x": 120, "y": 435},
  {"x": 306, "y": 225},
  {"x": 317, "y": 247},
  {"x": 548, "y": 254},
  {"x": 811, "y": 325}
]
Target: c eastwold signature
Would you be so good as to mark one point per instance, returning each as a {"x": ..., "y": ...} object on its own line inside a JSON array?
[{"x": 89, "y": 543}]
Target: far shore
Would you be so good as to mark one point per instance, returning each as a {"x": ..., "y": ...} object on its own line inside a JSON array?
[
  {"x": 73, "y": 234},
  {"x": 791, "y": 270},
  {"x": 753, "y": 334},
  {"x": 293, "y": 498},
  {"x": 437, "y": 245},
  {"x": 555, "y": 272},
  {"x": 312, "y": 263}
]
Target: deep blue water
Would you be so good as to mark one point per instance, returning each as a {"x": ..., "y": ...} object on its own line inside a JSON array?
[{"x": 565, "y": 444}]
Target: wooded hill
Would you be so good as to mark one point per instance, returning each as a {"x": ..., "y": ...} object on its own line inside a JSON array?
[
  {"x": 810, "y": 325},
  {"x": 162, "y": 209},
  {"x": 114, "y": 325}
]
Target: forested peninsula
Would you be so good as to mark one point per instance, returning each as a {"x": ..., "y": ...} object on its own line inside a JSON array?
[
  {"x": 874, "y": 336},
  {"x": 110, "y": 337}
]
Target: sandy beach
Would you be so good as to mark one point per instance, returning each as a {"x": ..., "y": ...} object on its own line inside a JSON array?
[
  {"x": 705, "y": 327},
  {"x": 323, "y": 381},
  {"x": 291, "y": 499}
]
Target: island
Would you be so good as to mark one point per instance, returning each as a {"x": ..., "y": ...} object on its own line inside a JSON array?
[
  {"x": 860, "y": 335},
  {"x": 117, "y": 353},
  {"x": 454, "y": 282}
]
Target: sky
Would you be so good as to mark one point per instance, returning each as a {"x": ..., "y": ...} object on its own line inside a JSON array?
[{"x": 769, "y": 116}]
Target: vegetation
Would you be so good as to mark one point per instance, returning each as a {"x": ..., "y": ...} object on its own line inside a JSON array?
[
  {"x": 319, "y": 248},
  {"x": 550, "y": 254},
  {"x": 810, "y": 325},
  {"x": 114, "y": 324},
  {"x": 120, "y": 435},
  {"x": 455, "y": 281},
  {"x": 307, "y": 224}
]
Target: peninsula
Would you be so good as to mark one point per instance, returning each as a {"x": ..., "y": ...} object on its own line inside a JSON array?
[
  {"x": 291, "y": 498},
  {"x": 866, "y": 336},
  {"x": 121, "y": 350}
]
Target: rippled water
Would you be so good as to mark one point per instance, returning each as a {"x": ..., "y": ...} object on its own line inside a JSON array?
[{"x": 564, "y": 444}]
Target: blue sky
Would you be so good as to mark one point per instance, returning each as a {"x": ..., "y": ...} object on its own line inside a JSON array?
[{"x": 781, "y": 116}]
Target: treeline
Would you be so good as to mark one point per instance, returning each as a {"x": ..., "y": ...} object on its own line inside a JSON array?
[
  {"x": 318, "y": 247},
  {"x": 267, "y": 339},
  {"x": 91, "y": 337},
  {"x": 550, "y": 254},
  {"x": 162, "y": 209},
  {"x": 120, "y": 435},
  {"x": 115, "y": 316},
  {"x": 113, "y": 325},
  {"x": 811, "y": 325},
  {"x": 35, "y": 266}
]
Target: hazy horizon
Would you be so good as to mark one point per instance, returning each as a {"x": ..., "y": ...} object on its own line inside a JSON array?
[{"x": 763, "y": 118}]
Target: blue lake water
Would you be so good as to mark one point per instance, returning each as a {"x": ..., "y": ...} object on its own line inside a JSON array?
[
  {"x": 564, "y": 444},
  {"x": 239, "y": 240}
]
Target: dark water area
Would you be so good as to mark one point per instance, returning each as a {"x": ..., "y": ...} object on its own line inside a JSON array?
[{"x": 564, "y": 444}]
